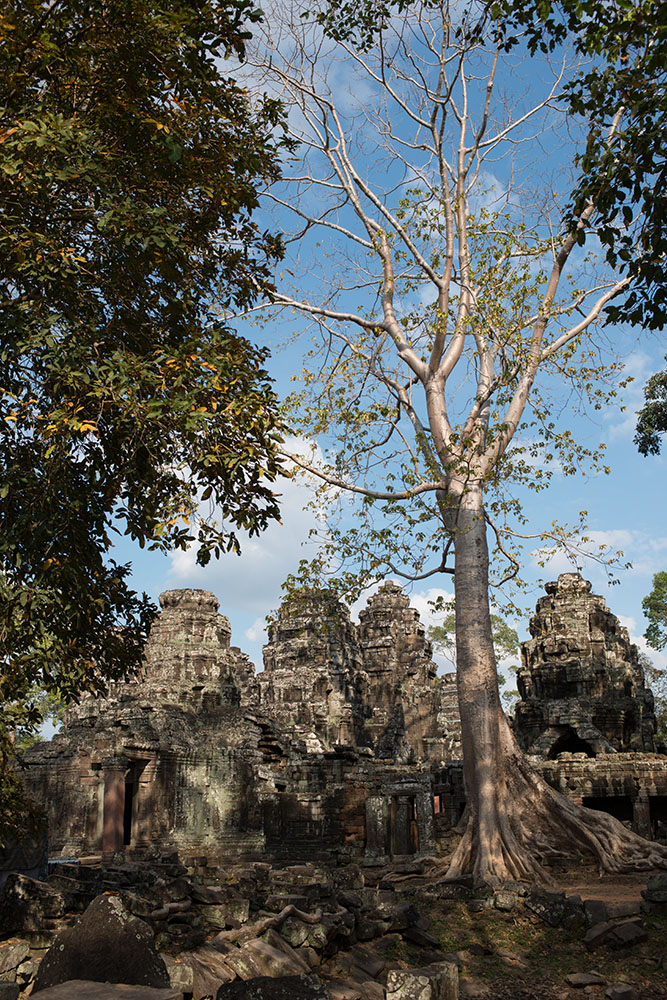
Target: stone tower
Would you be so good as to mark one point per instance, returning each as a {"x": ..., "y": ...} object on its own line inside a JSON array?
[
  {"x": 403, "y": 694},
  {"x": 312, "y": 671},
  {"x": 581, "y": 685}
]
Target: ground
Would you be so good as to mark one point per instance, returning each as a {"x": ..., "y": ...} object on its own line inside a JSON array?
[{"x": 521, "y": 958}]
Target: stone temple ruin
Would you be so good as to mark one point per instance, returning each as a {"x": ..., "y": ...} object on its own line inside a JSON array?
[{"x": 347, "y": 746}]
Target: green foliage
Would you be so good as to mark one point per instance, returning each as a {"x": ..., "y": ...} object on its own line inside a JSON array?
[
  {"x": 655, "y": 610},
  {"x": 652, "y": 418},
  {"x": 505, "y": 638},
  {"x": 129, "y": 168},
  {"x": 505, "y": 644},
  {"x": 626, "y": 175},
  {"x": 370, "y": 431}
]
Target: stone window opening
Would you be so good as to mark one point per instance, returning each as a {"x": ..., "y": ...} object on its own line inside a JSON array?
[{"x": 570, "y": 742}]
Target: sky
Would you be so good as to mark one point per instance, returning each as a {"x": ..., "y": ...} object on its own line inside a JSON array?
[{"x": 625, "y": 507}]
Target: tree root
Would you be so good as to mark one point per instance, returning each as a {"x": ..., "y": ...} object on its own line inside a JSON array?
[
  {"x": 526, "y": 825},
  {"x": 259, "y": 927}
]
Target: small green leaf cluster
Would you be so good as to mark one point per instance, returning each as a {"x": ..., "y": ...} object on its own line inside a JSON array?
[
  {"x": 652, "y": 418},
  {"x": 655, "y": 611}
]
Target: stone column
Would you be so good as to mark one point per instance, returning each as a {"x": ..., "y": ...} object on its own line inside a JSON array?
[
  {"x": 114, "y": 804},
  {"x": 376, "y": 847},
  {"x": 426, "y": 822},
  {"x": 641, "y": 814}
]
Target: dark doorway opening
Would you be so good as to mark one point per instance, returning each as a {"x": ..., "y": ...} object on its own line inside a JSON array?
[
  {"x": 403, "y": 825},
  {"x": 128, "y": 809},
  {"x": 618, "y": 806},
  {"x": 658, "y": 816}
]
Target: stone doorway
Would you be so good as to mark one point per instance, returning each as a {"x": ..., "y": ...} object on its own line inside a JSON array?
[
  {"x": 618, "y": 806},
  {"x": 403, "y": 825}
]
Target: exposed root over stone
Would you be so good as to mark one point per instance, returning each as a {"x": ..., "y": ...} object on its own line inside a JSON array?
[
  {"x": 259, "y": 927},
  {"x": 524, "y": 826}
]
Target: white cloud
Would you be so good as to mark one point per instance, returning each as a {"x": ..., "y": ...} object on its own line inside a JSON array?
[{"x": 257, "y": 631}]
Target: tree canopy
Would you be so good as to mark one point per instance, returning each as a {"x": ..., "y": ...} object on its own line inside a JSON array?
[{"x": 129, "y": 173}]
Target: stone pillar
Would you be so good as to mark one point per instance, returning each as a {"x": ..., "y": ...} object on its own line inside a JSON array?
[
  {"x": 426, "y": 822},
  {"x": 114, "y": 804},
  {"x": 641, "y": 814},
  {"x": 376, "y": 847}
]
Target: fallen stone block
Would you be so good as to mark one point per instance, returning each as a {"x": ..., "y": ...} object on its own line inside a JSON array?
[
  {"x": 656, "y": 888},
  {"x": 26, "y": 904},
  {"x": 368, "y": 960},
  {"x": 273, "y": 962},
  {"x": 548, "y": 906},
  {"x": 621, "y": 991},
  {"x": 106, "y": 945},
  {"x": 421, "y": 938},
  {"x": 596, "y": 935},
  {"x": 615, "y": 936},
  {"x": 595, "y": 911},
  {"x": 12, "y": 953},
  {"x": 628, "y": 909},
  {"x": 9, "y": 991},
  {"x": 579, "y": 980},
  {"x": 344, "y": 989},
  {"x": 371, "y": 990},
  {"x": 181, "y": 974},
  {"x": 505, "y": 901},
  {"x": 433, "y": 982},
  {"x": 626, "y": 935},
  {"x": 85, "y": 989},
  {"x": 209, "y": 971},
  {"x": 244, "y": 964}
]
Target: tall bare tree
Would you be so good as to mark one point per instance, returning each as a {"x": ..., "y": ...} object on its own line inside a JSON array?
[{"x": 442, "y": 284}]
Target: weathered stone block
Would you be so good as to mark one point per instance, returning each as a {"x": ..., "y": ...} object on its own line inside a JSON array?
[
  {"x": 12, "y": 953},
  {"x": 595, "y": 911},
  {"x": 505, "y": 901},
  {"x": 434, "y": 982},
  {"x": 548, "y": 906},
  {"x": 626, "y": 935},
  {"x": 656, "y": 889},
  {"x": 275, "y": 962},
  {"x": 596, "y": 935},
  {"x": 581, "y": 979},
  {"x": 107, "y": 944}
]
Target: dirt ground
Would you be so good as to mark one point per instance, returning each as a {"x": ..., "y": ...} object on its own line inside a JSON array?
[{"x": 518, "y": 957}]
